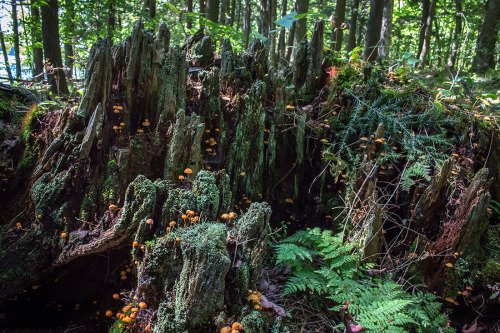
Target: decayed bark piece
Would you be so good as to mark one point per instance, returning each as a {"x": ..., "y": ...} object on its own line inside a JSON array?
[{"x": 425, "y": 217}]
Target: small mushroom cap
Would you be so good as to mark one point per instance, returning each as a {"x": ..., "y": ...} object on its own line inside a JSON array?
[
  {"x": 188, "y": 171},
  {"x": 115, "y": 127},
  {"x": 149, "y": 221},
  {"x": 237, "y": 326},
  {"x": 116, "y": 296},
  {"x": 135, "y": 244},
  {"x": 226, "y": 329},
  {"x": 143, "y": 305},
  {"x": 109, "y": 313}
]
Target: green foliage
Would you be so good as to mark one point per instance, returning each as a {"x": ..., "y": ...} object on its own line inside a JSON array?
[
  {"x": 419, "y": 170},
  {"x": 323, "y": 264}
]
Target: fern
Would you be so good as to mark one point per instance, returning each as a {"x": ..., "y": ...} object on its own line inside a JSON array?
[
  {"x": 325, "y": 266},
  {"x": 418, "y": 169}
]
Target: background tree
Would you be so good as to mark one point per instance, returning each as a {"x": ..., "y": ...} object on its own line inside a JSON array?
[
  {"x": 351, "y": 39},
  {"x": 488, "y": 36},
  {"x": 51, "y": 47},
  {"x": 5, "y": 58},
  {"x": 385, "y": 34},
  {"x": 213, "y": 10},
  {"x": 457, "y": 33},
  {"x": 301, "y": 24},
  {"x": 427, "y": 35},
  {"x": 70, "y": 14},
  {"x": 373, "y": 30},
  {"x": 15, "y": 29},
  {"x": 337, "y": 29},
  {"x": 36, "y": 41}
]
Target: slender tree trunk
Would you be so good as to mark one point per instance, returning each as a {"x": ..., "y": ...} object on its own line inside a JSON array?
[
  {"x": 373, "y": 30},
  {"x": 281, "y": 37},
  {"x": 272, "y": 36},
  {"x": 149, "y": 7},
  {"x": 189, "y": 20},
  {"x": 351, "y": 39},
  {"x": 111, "y": 20},
  {"x": 203, "y": 11},
  {"x": 68, "y": 42},
  {"x": 223, "y": 10},
  {"x": 301, "y": 25},
  {"x": 15, "y": 30},
  {"x": 5, "y": 58},
  {"x": 238, "y": 16},
  {"x": 264, "y": 17},
  {"x": 362, "y": 22},
  {"x": 246, "y": 23},
  {"x": 488, "y": 36},
  {"x": 385, "y": 34},
  {"x": 456, "y": 36},
  {"x": 428, "y": 31},
  {"x": 233, "y": 12},
  {"x": 51, "y": 47},
  {"x": 337, "y": 31},
  {"x": 291, "y": 38},
  {"x": 213, "y": 10},
  {"x": 425, "y": 14},
  {"x": 36, "y": 39}
]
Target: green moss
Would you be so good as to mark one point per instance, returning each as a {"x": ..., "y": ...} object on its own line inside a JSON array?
[
  {"x": 346, "y": 77},
  {"x": 115, "y": 327},
  {"x": 30, "y": 156},
  {"x": 255, "y": 322},
  {"x": 88, "y": 204},
  {"x": 491, "y": 272},
  {"x": 207, "y": 194}
]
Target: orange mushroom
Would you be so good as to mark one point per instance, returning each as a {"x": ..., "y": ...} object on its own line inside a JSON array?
[
  {"x": 116, "y": 296},
  {"x": 188, "y": 171},
  {"x": 237, "y": 326},
  {"x": 226, "y": 329},
  {"x": 63, "y": 235},
  {"x": 143, "y": 305},
  {"x": 149, "y": 221},
  {"x": 135, "y": 243},
  {"x": 109, "y": 313}
]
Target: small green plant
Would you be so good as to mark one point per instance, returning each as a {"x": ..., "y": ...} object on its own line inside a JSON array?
[{"x": 323, "y": 264}]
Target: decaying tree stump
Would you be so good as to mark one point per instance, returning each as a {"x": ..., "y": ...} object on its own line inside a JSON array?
[{"x": 113, "y": 175}]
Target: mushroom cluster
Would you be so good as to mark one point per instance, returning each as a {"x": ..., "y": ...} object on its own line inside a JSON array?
[{"x": 235, "y": 328}]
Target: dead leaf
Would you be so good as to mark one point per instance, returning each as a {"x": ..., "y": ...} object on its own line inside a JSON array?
[{"x": 270, "y": 306}]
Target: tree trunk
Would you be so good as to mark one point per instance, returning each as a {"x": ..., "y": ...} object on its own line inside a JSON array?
[
  {"x": 337, "y": 28},
  {"x": 425, "y": 15},
  {"x": 488, "y": 36},
  {"x": 302, "y": 6},
  {"x": 15, "y": 30},
  {"x": 372, "y": 40},
  {"x": 385, "y": 34},
  {"x": 238, "y": 16},
  {"x": 351, "y": 40},
  {"x": 223, "y": 10},
  {"x": 52, "y": 49},
  {"x": 5, "y": 58},
  {"x": 203, "y": 11},
  {"x": 273, "y": 57},
  {"x": 456, "y": 37},
  {"x": 68, "y": 42},
  {"x": 149, "y": 7},
  {"x": 213, "y": 10},
  {"x": 233, "y": 13},
  {"x": 281, "y": 38},
  {"x": 427, "y": 39},
  {"x": 362, "y": 22},
  {"x": 189, "y": 19},
  {"x": 111, "y": 20},
  {"x": 37, "y": 43},
  {"x": 246, "y": 23}
]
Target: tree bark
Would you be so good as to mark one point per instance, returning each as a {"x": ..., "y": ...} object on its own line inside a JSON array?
[
  {"x": 223, "y": 10},
  {"x": 5, "y": 58},
  {"x": 111, "y": 20},
  {"x": 203, "y": 11},
  {"x": 337, "y": 30},
  {"x": 385, "y": 34},
  {"x": 52, "y": 49},
  {"x": 149, "y": 7},
  {"x": 302, "y": 6},
  {"x": 488, "y": 36},
  {"x": 281, "y": 37},
  {"x": 36, "y": 37},
  {"x": 68, "y": 42},
  {"x": 373, "y": 30},
  {"x": 233, "y": 13},
  {"x": 246, "y": 23},
  {"x": 213, "y": 10},
  {"x": 351, "y": 40},
  {"x": 15, "y": 30},
  {"x": 458, "y": 31},
  {"x": 425, "y": 14},
  {"x": 189, "y": 20},
  {"x": 427, "y": 39},
  {"x": 362, "y": 22}
]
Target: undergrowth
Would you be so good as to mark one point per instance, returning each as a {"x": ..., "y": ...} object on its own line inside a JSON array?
[{"x": 322, "y": 264}]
